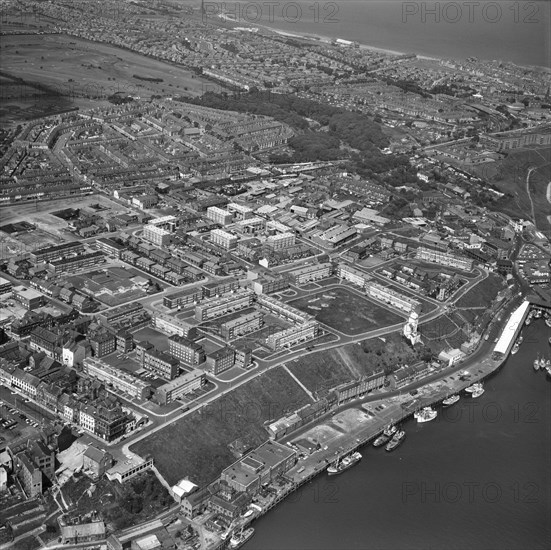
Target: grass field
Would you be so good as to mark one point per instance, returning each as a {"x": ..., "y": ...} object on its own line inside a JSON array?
[
  {"x": 197, "y": 446},
  {"x": 346, "y": 311},
  {"x": 482, "y": 294},
  {"x": 327, "y": 369},
  {"x": 76, "y": 72}
]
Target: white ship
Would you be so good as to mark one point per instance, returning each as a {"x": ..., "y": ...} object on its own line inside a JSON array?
[{"x": 426, "y": 414}]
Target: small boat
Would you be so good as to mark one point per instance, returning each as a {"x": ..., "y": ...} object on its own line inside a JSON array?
[
  {"x": 341, "y": 465},
  {"x": 537, "y": 363},
  {"x": 537, "y": 313},
  {"x": 548, "y": 322},
  {"x": 549, "y": 341},
  {"x": 478, "y": 392},
  {"x": 240, "y": 538},
  {"x": 528, "y": 319},
  {"x": 516, "y": 345},
  {"x": 426, "y": 414},
  {"x": 451, "y": 400},
  {"x": 548, "y": 369},
  {"x": 396, "y": 440},
  {"x": 247, "y": 513},
  {"x": 473, "y": 388}
]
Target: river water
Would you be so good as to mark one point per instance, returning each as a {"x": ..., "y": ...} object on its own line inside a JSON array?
[{"x": 476, "y": 477}]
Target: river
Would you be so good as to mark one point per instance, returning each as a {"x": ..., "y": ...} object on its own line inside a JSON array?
[{"x": 477, "y": 477}]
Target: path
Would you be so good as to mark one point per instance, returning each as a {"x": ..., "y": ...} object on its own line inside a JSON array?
[{"x": 307, "y": 391}]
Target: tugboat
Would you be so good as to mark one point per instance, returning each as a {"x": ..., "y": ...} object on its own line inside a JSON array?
[
  {"x": 385, "y": 436},
  {"x": 478, "y": 392},
  {"x": 342, "y": 465},
  {"x": 426, "y": 414},
  {"x": 240, "y": 538},
  {"x": 450, "y": 400},
  {"x": 396, "y": 440}
]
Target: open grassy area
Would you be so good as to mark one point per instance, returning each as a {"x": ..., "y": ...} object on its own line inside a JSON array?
[
  {"x": 347, "y": 311},
  {"x": 71, "y": 72},
  {"x": 484, "y": 293},
  {"x": 197, "y": 446},
  {"x": 327, "y": 369}
]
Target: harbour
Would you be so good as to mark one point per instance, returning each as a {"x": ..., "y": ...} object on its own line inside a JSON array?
[{"x": 497, "y": 419}]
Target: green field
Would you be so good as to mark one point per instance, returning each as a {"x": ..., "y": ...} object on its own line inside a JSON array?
[
  {"x": 197, "y": 446},
  {"x": 347, "y": 311}
]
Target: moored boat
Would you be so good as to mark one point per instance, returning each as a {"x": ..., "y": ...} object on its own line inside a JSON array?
[
  {"x": 537, "y": 363},
  {"x": 478, "y": 392},
  {"x": 386, "y": 436},
  {"x": 450, "y": 400},
  {"x": 396, "y": 440},
  {"x": 473, "y": 388},
  {"x": 341, "y": 465},
  {"x": 426, "y": 414},
  {"x": 240, "y": 538},
  {"x": 548, "y": 322}
]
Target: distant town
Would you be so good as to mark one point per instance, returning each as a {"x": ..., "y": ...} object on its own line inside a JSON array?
[{"x": 229, "y": 258}]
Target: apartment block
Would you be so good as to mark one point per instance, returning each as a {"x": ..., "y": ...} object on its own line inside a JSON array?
[
  {"x": 442, "y": 258},
  {"x": 5, "y": 286},
  {"x": 281, "y": 241},
  {"x": 156, "y": 235},
  {"x": 294, "y": 335},
  {"x": 242, "y": 325},
  {"x": 160, "y": 363},
  {"x": 220, "y": 360},
  {"x": 312, "y": 273},
  {"x": 281, "y": 309},
  {"x": 182, "y": 385},
  {"x": 219, "y": 215},
  {"x": 103, "y": 343},
  {"x": 110, "y": 247},
  {"x": 390, "y": 296},
  {"x": 172, "y": 325},
  {"x": 118, "y": 379},
  {"x": 56, "y": 252},
  {"x": 185, "y": 350},
  {"x": 184, "y": 298},
  {"x": 355, "y": 276},
  {"x": 217, "y": 307},
  {"x": 223, "y": 239},
  {"x": 217, "y": 288},
  {"x": 70, "y": 265}
]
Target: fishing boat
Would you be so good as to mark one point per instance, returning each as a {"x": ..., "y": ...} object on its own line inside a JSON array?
[
  {"x": 478, "y": 392},
  {"x": 240, "y": 538},
  {"x": 385, "y": 436},
  {"x": 450, "y": 400},
  {"x": 341, "y": 465},
  {"x": 396, "y": 440},
  {"x": 426, "y": 414}
]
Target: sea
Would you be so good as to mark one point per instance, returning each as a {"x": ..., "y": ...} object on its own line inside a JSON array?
[
  {"x": 477, "y": 477},
  {"x": 504, "y": 30}
]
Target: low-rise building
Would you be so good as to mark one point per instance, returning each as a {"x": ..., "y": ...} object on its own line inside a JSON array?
[
  {"x": 311, "y": 273},
  {"x": 294, "y": 335},
  {"x": 242, "y": 325},
  {"x": 217, "y": 307}
]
